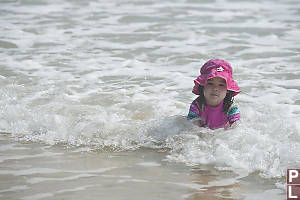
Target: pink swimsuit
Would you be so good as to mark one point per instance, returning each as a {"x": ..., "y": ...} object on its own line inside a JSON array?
[{"x": 214, "y": 117}]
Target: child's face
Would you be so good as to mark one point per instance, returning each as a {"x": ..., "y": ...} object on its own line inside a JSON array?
[{"x": 215, "y": 91}]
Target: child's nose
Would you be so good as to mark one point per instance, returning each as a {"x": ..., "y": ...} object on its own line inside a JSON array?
[{"x": 215, "y": 87}]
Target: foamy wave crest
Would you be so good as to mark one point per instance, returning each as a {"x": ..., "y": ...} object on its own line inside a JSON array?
[
  {"x": 267, "y": 148},
  {"x": 265, "y": 141}
]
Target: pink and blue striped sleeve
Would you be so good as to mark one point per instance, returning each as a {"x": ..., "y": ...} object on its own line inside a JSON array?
[
  {"x": 233, "y": 114},
  {"x": 194, "y": 111}
]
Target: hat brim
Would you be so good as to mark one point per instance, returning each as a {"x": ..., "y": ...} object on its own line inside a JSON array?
[{"x": 201, "y": 81}]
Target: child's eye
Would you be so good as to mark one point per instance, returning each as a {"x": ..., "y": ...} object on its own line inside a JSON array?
[{"x": 209, "y": 83}]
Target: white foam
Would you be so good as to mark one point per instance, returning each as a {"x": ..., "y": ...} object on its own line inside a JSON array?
[
  {"x": 149, "y": 164},
  {"x": 269, "y": 194},
  {"x": 38, "y": 196},
  {"x": 15, "y": 188},
  {"x": 119, "y": 75},
  {"x": 75, "y": 177},
  {"x": 29, "y": 171}
]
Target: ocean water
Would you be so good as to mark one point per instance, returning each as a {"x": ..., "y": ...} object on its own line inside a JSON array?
[{"x": 94, "y": 94}]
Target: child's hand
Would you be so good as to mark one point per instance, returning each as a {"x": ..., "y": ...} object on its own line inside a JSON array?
[
  {"x": 227, "y": 126},
  {"x": 230, "y": 126}
]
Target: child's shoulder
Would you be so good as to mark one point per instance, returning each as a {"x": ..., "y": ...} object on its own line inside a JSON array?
[
  {"x": 233, "y": 109},
  {"x": 199, "y": 103}
]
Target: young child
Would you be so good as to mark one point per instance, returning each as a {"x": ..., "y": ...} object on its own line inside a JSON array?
[{"x": 214, "y": 107}]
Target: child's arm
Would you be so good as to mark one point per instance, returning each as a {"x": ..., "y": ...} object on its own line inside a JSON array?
[
  {"x": 196, "y": 121},
  {"x": 194, "y": 114},
  {"x": 233, "y": 116},
  {"x": 231, "y": 126}
]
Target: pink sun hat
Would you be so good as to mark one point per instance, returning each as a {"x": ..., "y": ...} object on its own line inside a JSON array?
[{"x": 216, "y": 68}]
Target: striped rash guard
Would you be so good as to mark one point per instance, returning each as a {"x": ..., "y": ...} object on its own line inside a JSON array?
[{"x": 213, "y": 117}]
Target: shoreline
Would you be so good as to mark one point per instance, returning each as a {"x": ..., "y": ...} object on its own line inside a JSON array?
[{"x": 38, "y": 171}]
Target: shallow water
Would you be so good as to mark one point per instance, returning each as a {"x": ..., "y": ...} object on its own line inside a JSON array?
[
  {"x": 40, "y": 171},
  {"x": 94, "y": 96}
]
